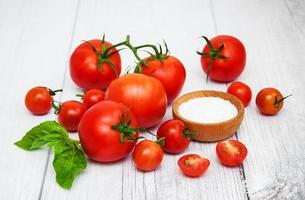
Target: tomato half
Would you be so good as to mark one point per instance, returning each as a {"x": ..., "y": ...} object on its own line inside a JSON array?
[
  {"x": 230, "y": 59},
  {"x": 99, "y": 135},
  {"x": 84, "y": 69},
  {"x": 270, "y": 101},
  {"x": 177, "y": 138},
  {"x": 147, "y": 155},
  {"x": 170, "y": 71},
  {"x": 144, "y": 95},
  {"x": 93, "y": 96},
  {"x": 193, "y": 165},
  {"x": 70, "y": 113},
  {"x": 241, "y": 91},
  {"x": 231, "y": 153}
]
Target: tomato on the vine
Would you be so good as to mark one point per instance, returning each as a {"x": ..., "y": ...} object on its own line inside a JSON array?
[
  {"x": 270, "y": 101},
  {"x": 147, "y": 155},
  {"x": 193, "y": 165},
  {"x": 144, "y": 95},
  {"x": 223, "y": 58},
  {"x": 69, "y": 114},
  {"x": 241, "y": 91},
  {"x": 92, "y": 97},
  {"x": 176, "y": 136},
  {"x": 231, "y": 153},
  {"x": 38, "y": 100},
  {"x": 94, "y": 64},
  {"x": 169, "y": 71},
  {"x": 108, "y": 131}
]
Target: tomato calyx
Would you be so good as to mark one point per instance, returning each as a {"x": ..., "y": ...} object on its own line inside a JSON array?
[
  {"x": 213, "y": 54},
  {"x": 57, "y": 107},
  {"x": 53, "y": 92},
  {"x": 81, "y": 96},
  {"x": 187, "y": 133},
  {"x": 278, "y": 101},
  {"x": 160, "y": 141}
]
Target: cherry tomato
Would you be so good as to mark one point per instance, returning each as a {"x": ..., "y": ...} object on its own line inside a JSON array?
[
  {"x": 177, "y": 138},
  {"x": 193, "y": 165},
  {"x": 144, "y": 95},
  {"x": 229, "y": 57},
  {"x": 107, "y": 131},
  {"x": 93, "y": 96},
  {"x": 84, "y": 65},
  {"x": 241, "y": 91},
  {"x": 231, "y": 153},
  {"x": 270, "y": 101},
  {"x": 70, "y": 113},
  {"x": 169, "y": 71},
  {"x": 38, "y": 100},
  {"x": 147, "y": 155}
]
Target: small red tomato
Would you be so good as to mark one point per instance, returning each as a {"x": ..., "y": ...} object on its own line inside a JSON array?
[
  {"x": 93, "y": 96},
  {"x": 231, "y": 153},
  {"x": 70, "y": 113},
  {"x": 193, "y": 165},
  {"x": 177, "y": 138},
  {"x": 147, "y": 155},
  {"x": 241, "y": 91},
  {"x": 270, "y": 101},
  {"x": 38, "y": 100}
]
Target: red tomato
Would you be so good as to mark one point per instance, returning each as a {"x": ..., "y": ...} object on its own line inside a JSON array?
[
  {"x": 231, "y": 153},
  {"x": 170, "y": 71},
  {"x": 93, "y": 96},
  {"x": 147, "y": 155},
  {"x": 229, "y": 67},
  {"x": 70, "y": 113},
  {"x": 84, "y": 69},
  {"x": 175, "y": 134},
  {"x": 38, "y": 100},
  {"x": 193, "y": 165},
  {"x": 144, "y": 95},
  {"x": 99, "y": 135},
  {"x": 270, "y": 101},
  {"x": 241, "y": 91}
]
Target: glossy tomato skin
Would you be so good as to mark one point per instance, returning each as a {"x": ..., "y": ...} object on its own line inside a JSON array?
[
  {"x": 241, "y": 91},
  {"x": 84, "y": 66},
  {"x": 225, "y": 70},
  {"x": 170, "y": 71},
  {"x": 93, "y": 96},
  {"x": 144, "y": 95},
  {"x": 265, "y": 101},
  {"x": 99, "y": 141},
  {"x": 173, "y": 131},
  {"x": 193, "y": 165},
  {"x": 70, "y": 114},
  {"x": 38, "y": 100},
  {"x": 147, "y": 155},
  {"x": 231, "y": 153}
]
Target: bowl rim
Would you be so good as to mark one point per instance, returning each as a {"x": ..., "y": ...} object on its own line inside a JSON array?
[{"x": 240, "y": 111}]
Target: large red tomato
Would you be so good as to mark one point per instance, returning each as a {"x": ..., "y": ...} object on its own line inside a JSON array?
[
  {"x": 170, "y": 71},
  {"x": 144, "y": 95},
  {"x": 229, "y": 57},
  {"x": 85, "y": 70},
  {"x": 105, "y": 132}
]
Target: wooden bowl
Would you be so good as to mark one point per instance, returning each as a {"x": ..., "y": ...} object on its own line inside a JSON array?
[{"x": 211, "y": 132}]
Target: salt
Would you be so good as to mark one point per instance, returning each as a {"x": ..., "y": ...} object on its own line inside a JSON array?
[{"x": 207, "y": 110}]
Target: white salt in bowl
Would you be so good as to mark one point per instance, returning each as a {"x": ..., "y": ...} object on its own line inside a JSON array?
[{"x": 211, "y": 131}]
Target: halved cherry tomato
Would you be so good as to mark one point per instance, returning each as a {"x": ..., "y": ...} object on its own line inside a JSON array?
[
  {"x": 241, "y": 91},
  {"x": 193, "y": 165},
  {"x": 38, "y": 100},
  {"x": 231, "y": 153},
  {"x": 93, "y": 96},
  {"x": 147, "y": 155},
  {"x": 70, "y": 113},
  {"x": 270, "y": 101}
]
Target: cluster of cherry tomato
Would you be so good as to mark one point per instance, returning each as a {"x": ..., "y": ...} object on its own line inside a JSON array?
[{"x": 115, "y": 109}]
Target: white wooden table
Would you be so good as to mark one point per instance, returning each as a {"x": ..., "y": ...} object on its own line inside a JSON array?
[{"x": 37, "y": 38}]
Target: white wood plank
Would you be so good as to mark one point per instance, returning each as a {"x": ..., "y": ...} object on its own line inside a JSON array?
[
  {"x": 180, "y": 23},
  {"x": 33, "y": 51},
  {"x": 275, "y": 42}
]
